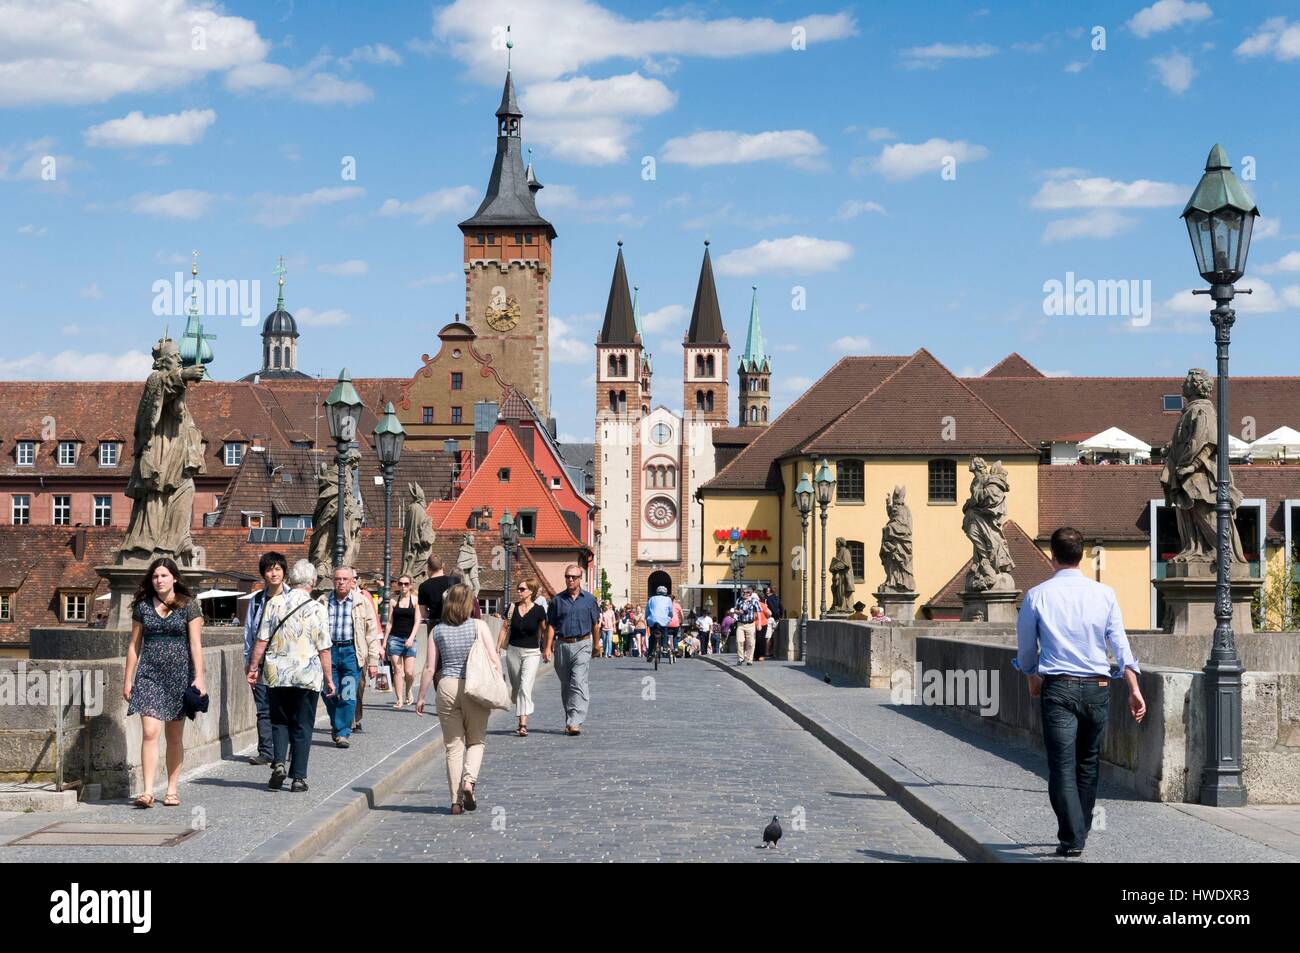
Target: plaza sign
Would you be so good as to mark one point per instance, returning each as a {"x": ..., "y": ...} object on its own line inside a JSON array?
[{"x": 736, "y": 535}]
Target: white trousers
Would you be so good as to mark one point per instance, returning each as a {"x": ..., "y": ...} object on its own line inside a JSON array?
[{"x": 521, "y": 666}]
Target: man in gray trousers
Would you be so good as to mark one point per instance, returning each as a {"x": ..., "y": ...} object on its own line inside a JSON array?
[{"x": 572, "y": 626}]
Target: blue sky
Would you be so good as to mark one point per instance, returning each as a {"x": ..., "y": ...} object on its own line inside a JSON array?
[{"x": 818, "y": 169}]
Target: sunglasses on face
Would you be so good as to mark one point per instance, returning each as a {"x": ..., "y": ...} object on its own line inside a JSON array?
[
  {"x": 572, "y": 577},
  {"x": 403, "y": 583}
]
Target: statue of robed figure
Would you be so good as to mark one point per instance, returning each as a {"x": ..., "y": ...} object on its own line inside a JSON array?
[
  {"x": 168, "y": 452},
  {"x": 418, "y": 540},
  {"x": 1191, "y": 478},
  {"x": 842, "y": 582},
  {"x": 984, "y": 513},
  {"x": 896, "y": 544},
  {"x": 467, "y": 562}
]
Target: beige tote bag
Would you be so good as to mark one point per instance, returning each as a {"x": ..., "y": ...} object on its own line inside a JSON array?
[{"x": 484, "y": 680}]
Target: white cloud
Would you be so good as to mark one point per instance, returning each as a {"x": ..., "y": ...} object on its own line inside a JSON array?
[
  {"x": 92, "y": 292},
  {"x": 1096, "y": 223},
  {"x": 1167, "y": 14},
  {"x": 1288, "y": 262},
  {"x": 430, "y": 280},
  {"x": 285, "y": 209},
  {"x": 33, "y": 230},
  {"x": 628, "y": 95},
  {"x": 1097, "y": 192},
  {"x": 180, "y": 203},
  {"x": 853, "y": 343},
  {"x": 881, "y": 134},
  {"x": 69, "y": 51},
  {"x": 1266, "y": 228},
  {"x": 31, "y": 160},
  {"x": 581, "y": 33},
  {"x": 905, "y": 160},
  {"x": 1265, "y": 300},
  {"x": 70, "y": 330},
  {"x": 796, "y": 254},
  {"x": 720, "y": 147},
  {"x": 567, "y": 197},
  {"x": 663, "y": 319},
  {"x": 432, "y": 205},
  {"x": 854, "y": 207},
  {"x": 595, "y": 141},
  {"x": 378, "y": 54},
  {"x": 308, "y": 84},
  {"x": 1176, "y": 71},
  {"x": 77, "y": 365},
  {"x": 346, "y": 269},
  {"x": 567, "y": 349},
  {"x": 136, "y": 129},
  {"x": 1275, "y": 37},
  {"x": 332, "y": 317},
  {"x": 930, "y": 57}
]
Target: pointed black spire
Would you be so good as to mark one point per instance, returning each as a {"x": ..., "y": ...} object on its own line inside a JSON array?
[
  {"x": 706, "y": 316},
  {"x": 509, "y": 200},
  {"x": 620, "y": 323}
]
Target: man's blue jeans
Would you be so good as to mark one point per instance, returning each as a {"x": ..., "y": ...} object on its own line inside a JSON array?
[
  {"x": 1074, "y": 723},
  {"x": 342, "y": 705}
]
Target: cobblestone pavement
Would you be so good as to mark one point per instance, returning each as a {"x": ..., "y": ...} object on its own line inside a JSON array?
[
  {"x": 1005, "y": 783},
  {"x": 687, "y": 765}
]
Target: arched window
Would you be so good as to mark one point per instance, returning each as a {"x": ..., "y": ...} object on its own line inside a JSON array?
[
  {"x": 275, "y": 354},
  {"x": 708, "y": 365},
  {"x": 613, "y": 402},
  {"x": 699, "y": 366},
  {"x": 699, "y": 400},
  {"x": 943, "y": 481},
  {"x": 848, "y": 481},
  {"x": 753, "y": 415},
  {"x": 622, "y": 365},
  {"x": 765, "y": 413},
  {"x": 613, "y": 366}
]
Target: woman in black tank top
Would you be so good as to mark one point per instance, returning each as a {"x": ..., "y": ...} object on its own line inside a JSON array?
[{"x": 403, "y": 617}]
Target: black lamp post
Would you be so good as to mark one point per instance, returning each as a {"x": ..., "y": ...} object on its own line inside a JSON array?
[
  {"x": 389, "y": 437},
  {"x": 1220, "y": 216},
  {"x": 342, "y": 410},
  {"x": 739, "y": 557},
  {"x": 508, "y": 532},
  {"x": 824, "y": 489},
  {"x": 803, "y": 498}
]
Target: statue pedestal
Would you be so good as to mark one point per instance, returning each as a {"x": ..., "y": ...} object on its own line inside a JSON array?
[
  {"x": 899, "y": 606},
  {"x": 1188, "y": 589},
  {"x": 995, "y": 605},
  {"x": 123, "y": 581}
]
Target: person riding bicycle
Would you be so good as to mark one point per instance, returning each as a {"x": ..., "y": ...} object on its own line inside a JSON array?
[{"x": 658, "y": 615}]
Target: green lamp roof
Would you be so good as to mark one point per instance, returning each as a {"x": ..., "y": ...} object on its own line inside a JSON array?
[{"x": 1219, "y": 188}]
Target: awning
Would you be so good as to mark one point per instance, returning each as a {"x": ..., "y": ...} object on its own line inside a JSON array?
[
  {"x": 1114, "y": 440},
  {"x": 1283, "y": 442}
]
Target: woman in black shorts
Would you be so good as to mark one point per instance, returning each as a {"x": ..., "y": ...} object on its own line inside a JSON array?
[{"x": 403, "y": 618}]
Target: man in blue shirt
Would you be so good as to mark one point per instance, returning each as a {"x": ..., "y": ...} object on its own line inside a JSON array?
[
  {"x": 1063, "y": 631},
  {"x": 658, "y": 618},
  {"x": 572, "y": 625},
  {"x": 273, "y": 568}
]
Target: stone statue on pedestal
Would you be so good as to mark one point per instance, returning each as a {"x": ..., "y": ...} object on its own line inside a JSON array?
[
  {"x": 1191, "y": 478},
  {"x": 467, "y": 562},
  {"x": 896, "y": 544},
  {"x": 985, "y": 512},
  {"x": 324, "y": 519},
  {"x": 168, "y": 452},
  {"x": 842, "y": 582},
  {"x": 418, "y": 540}
]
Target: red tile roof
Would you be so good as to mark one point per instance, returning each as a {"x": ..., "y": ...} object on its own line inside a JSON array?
[{"x": 1013, "y": 365}]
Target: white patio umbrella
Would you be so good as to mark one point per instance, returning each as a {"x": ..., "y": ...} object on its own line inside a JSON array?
[
  {"x": 107, "y": 595},
  {"x": 1237, "y": 449},
  {"x": 1114, "y": 440},
  {"x": 217, "y": 593},
  {"x": 1283, "y": 442}
]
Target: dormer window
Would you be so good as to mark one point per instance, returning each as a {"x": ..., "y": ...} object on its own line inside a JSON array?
[
  {"x": 67, "y": 453},
  {"x": 503, "y": 475},
  {"x": 25, "y": 453},
  {"x": 232, "y": 453},
  {"x": 110, "y": 451},
  {"x": 1171, "y": 403}
]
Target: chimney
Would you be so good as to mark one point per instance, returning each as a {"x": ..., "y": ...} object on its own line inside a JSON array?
[
  {"x": 79, "y": 544},
  {"x": 485, "y": 418}
]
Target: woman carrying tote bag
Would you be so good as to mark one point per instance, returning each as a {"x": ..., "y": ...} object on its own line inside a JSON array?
[{"x": 465, "y": 668}]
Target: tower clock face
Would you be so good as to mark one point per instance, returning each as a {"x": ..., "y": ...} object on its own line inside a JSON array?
[
  {"x": 502, "y": 311},
  {"x": 661, "y": 434}
]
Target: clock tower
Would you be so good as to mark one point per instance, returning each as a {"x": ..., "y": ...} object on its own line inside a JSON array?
[{"x": 507, "y": 247}]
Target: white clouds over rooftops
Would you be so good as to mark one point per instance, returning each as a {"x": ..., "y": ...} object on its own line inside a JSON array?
[
  {"x": 798, "y": 254},
  {"x": 1097, "y": 192},
  {"x": 1276, "y": 37},
  {"x": 180, "y": 203},
  {"x": 136, "y": 129},
  {"x": 720, "y": 147},
  {"x": 1167, "y": 14}
]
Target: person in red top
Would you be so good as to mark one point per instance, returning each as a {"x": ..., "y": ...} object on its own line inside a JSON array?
[{"x": 675, "y": 626}]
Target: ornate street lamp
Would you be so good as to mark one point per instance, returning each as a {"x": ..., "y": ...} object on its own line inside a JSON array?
[
  {"x": 739, "y": 557},
  {"x": 1220, "y": 216},
  {"x": 389, "y": 437},
  {"x": 342, "y": 410},
  {"x": 803, "y": 498},
  {"x": 824, "y": 487},
  {"x": 508, "y": 532}
]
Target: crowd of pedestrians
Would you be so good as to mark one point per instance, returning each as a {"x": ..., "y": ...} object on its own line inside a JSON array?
[{"x": 301, "y": 650}]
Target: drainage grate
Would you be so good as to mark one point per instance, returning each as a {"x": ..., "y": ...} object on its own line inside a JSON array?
[{"x": 67, "y": 834}]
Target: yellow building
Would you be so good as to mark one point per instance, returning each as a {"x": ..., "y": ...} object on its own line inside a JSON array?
[{"x": 883, "y": 421}]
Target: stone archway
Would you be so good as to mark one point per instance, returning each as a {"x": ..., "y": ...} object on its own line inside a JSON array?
[{"x": 659, "y": 578}]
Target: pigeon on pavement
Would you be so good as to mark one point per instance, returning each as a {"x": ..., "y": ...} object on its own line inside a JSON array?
[{"x": 772, "y": 833}]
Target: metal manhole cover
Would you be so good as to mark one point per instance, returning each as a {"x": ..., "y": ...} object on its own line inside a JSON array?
[{"x": 68, "y": 834}]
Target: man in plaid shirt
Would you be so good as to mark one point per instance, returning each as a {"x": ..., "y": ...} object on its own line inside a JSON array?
[{"x": 746, "y": 614}]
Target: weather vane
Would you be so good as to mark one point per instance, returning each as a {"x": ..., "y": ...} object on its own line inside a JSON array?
[
  {"x": 280, "y": 271},
  {"x": 510, "y": 45}
]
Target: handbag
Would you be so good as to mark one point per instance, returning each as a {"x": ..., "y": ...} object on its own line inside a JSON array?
[{"x": 484, "y": 681}]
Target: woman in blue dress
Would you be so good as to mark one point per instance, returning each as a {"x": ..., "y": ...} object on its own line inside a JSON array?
[{"x": 163, "y": 659}]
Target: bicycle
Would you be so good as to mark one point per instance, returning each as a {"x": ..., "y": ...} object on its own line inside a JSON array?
[{"x": 660, "y": 633}]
